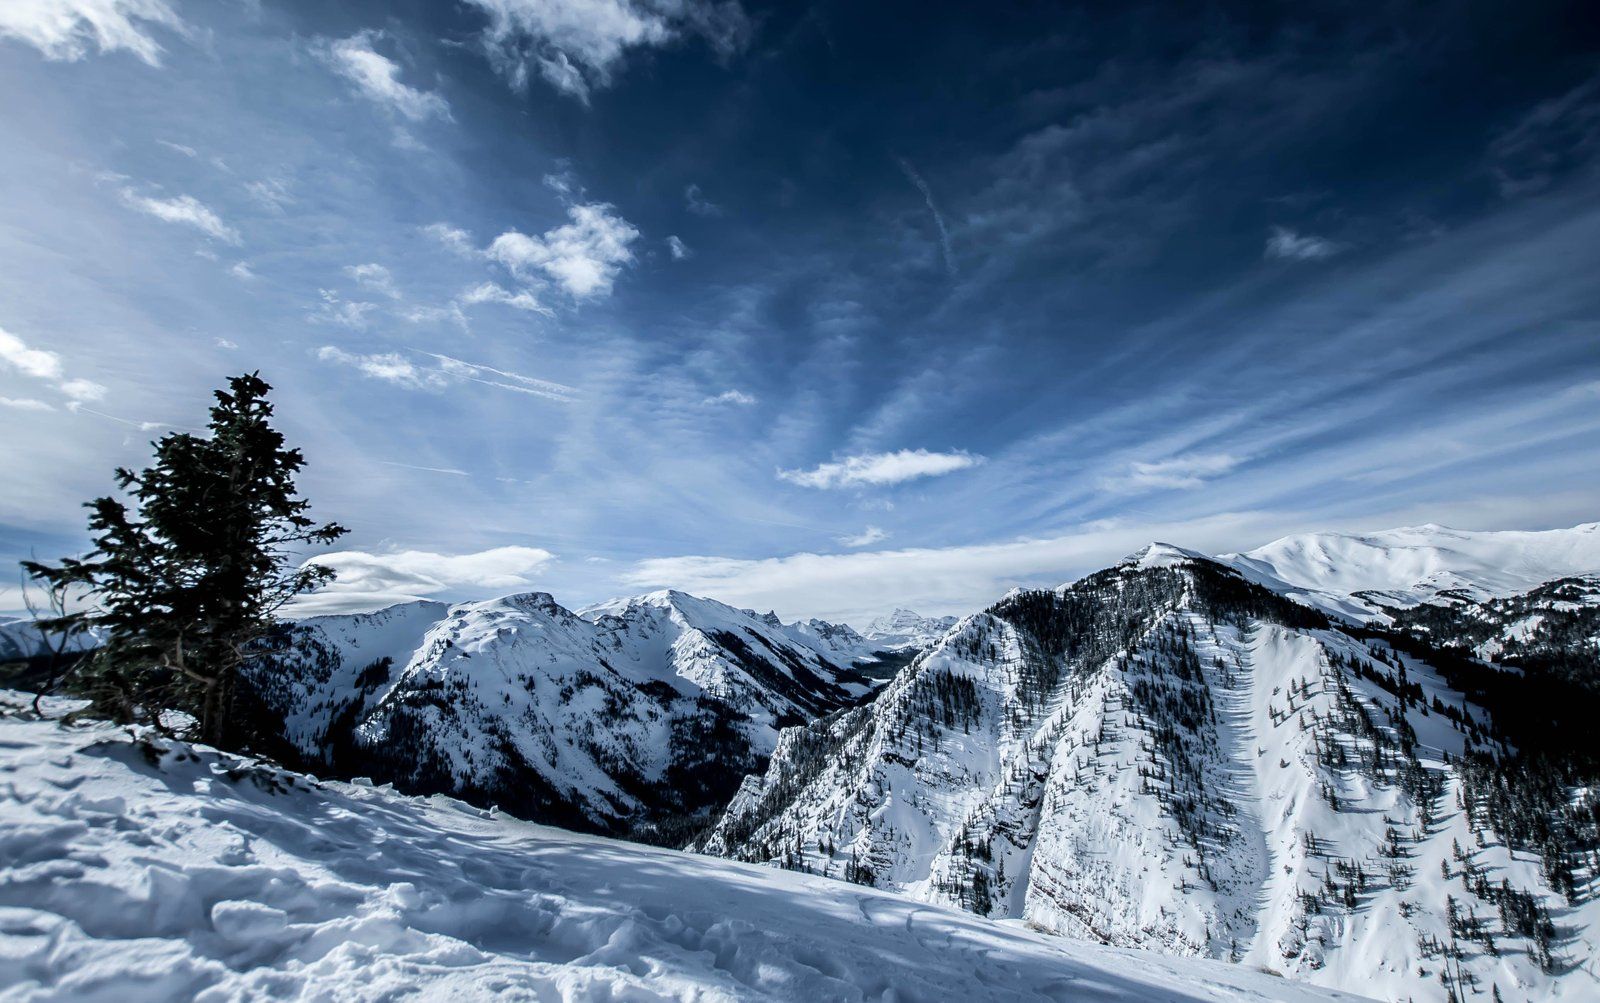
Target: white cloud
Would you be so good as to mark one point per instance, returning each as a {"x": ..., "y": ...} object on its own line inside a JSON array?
[
  {"x": 226, "y": 344},
  {"x": 187, "y": 151},
  {"x": 184, "y": 209},
  {"x": 575, "y": 45},
  {"x": 880, "y": 468},
  {"x": 34, "y": 362},
  {"x": 1291, "y": 246},
  {"x": 242, "y": 271},
  {"x": 491, "y": 292},
  {"x": 377, "y": 77},
  {"x": 697, "y": 203},
  {"x": 82, "y": 390},
  {"x": 858, "y": 586},
  {"x": 366, "y": 581},
  {"x": 45, "y": 366},
  {"x": 436, "y": 314},
  {"x": 345, "y": 313},
  {"x": 1188, "y": 471},
  {"x": 390, "y": 367},
  {"x": 677, "y": 248},
  {"x": 583, "y": 256},
  {"x": 25, "y": 404},
  {"x": 737, "y": 397},
  {"x": 66, "y": 29},
  {"x": 453, "y": 238},
  {"x": 374, "y": 277},
  {"x": 866, "y": 538}
]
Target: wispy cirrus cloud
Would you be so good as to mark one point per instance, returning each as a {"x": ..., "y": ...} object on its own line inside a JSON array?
[
  {"x": 1178, "y": 472},
  {"x": 1287, "y": 245},
  {"x": 334, "y": 309},
  {"x": 185, "y": 210},
  {"x": 877, "y": 469},
  {"x": 66, "y": 30},
  {"x": 576, "y": 46},
  {"x": 866, "y": 538},
  {"x": 696, "y": 202},
  {"x": 504, "y": 379},
  {"x": 916, "y": 179},
  {"x": 376, "y": 77},
  {"x": 1555, "y": 137},
  {"x": 375, "y": 277},
  {"x": 453, "y": 238},
  {"x": 493, "y": 292},
  {"x": 272, "y": 194},
  {"x": 390, "y": 367},
  {"x": 407, "y": 370}
]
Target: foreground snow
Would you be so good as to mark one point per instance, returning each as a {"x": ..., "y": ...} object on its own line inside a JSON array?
[{"x": 132, "y": 870}]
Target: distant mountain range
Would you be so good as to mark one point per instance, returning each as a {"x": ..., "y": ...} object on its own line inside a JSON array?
[
  {"x": 633, "y": 716},
  {"x": 1361, "y": 760},
  {"x": 1360, "y": 575}
]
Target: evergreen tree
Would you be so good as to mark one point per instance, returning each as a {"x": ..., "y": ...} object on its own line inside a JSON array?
[{"x": 185, "y": 584}]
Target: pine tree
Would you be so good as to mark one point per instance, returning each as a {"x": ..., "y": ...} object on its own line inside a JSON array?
[{"x": 185, "y": 585}]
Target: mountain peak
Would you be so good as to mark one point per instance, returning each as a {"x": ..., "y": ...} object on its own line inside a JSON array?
[{"x": 1162, "y": 555}]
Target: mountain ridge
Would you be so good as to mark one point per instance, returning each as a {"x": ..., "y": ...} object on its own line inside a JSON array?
[
  {"x": 1168, "y": 755},
  {"x": 614, "y": 718}
]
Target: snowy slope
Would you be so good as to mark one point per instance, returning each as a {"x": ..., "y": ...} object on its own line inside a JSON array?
[
  {"x": 1402, "y": 567},
  {"x": 1164, "y": 755},
  {"x": 136, "y": 869},
  {"x": 621, "y": 716}
]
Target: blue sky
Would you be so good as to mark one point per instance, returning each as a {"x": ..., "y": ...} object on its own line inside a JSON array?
[{"x": 807, "y": 306}]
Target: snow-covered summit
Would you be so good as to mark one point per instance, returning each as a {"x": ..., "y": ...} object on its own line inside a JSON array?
[
  {"x": 1162, "y": 555},
  {"x": 905, "y": 628},
  {"x": 1416, "y": 563},
  {"x": 612, "y": 717}
]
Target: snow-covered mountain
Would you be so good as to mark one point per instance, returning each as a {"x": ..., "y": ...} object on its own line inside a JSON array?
[
  {"x": 137, "y": 869},
  {"x": 904, "y": 629},
  {"x": 1360, "y": 574},
  {"x": 21, "y": 638},
  {"x": 626, "y": 714},
  {"x": 1171, "y": 755}
]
